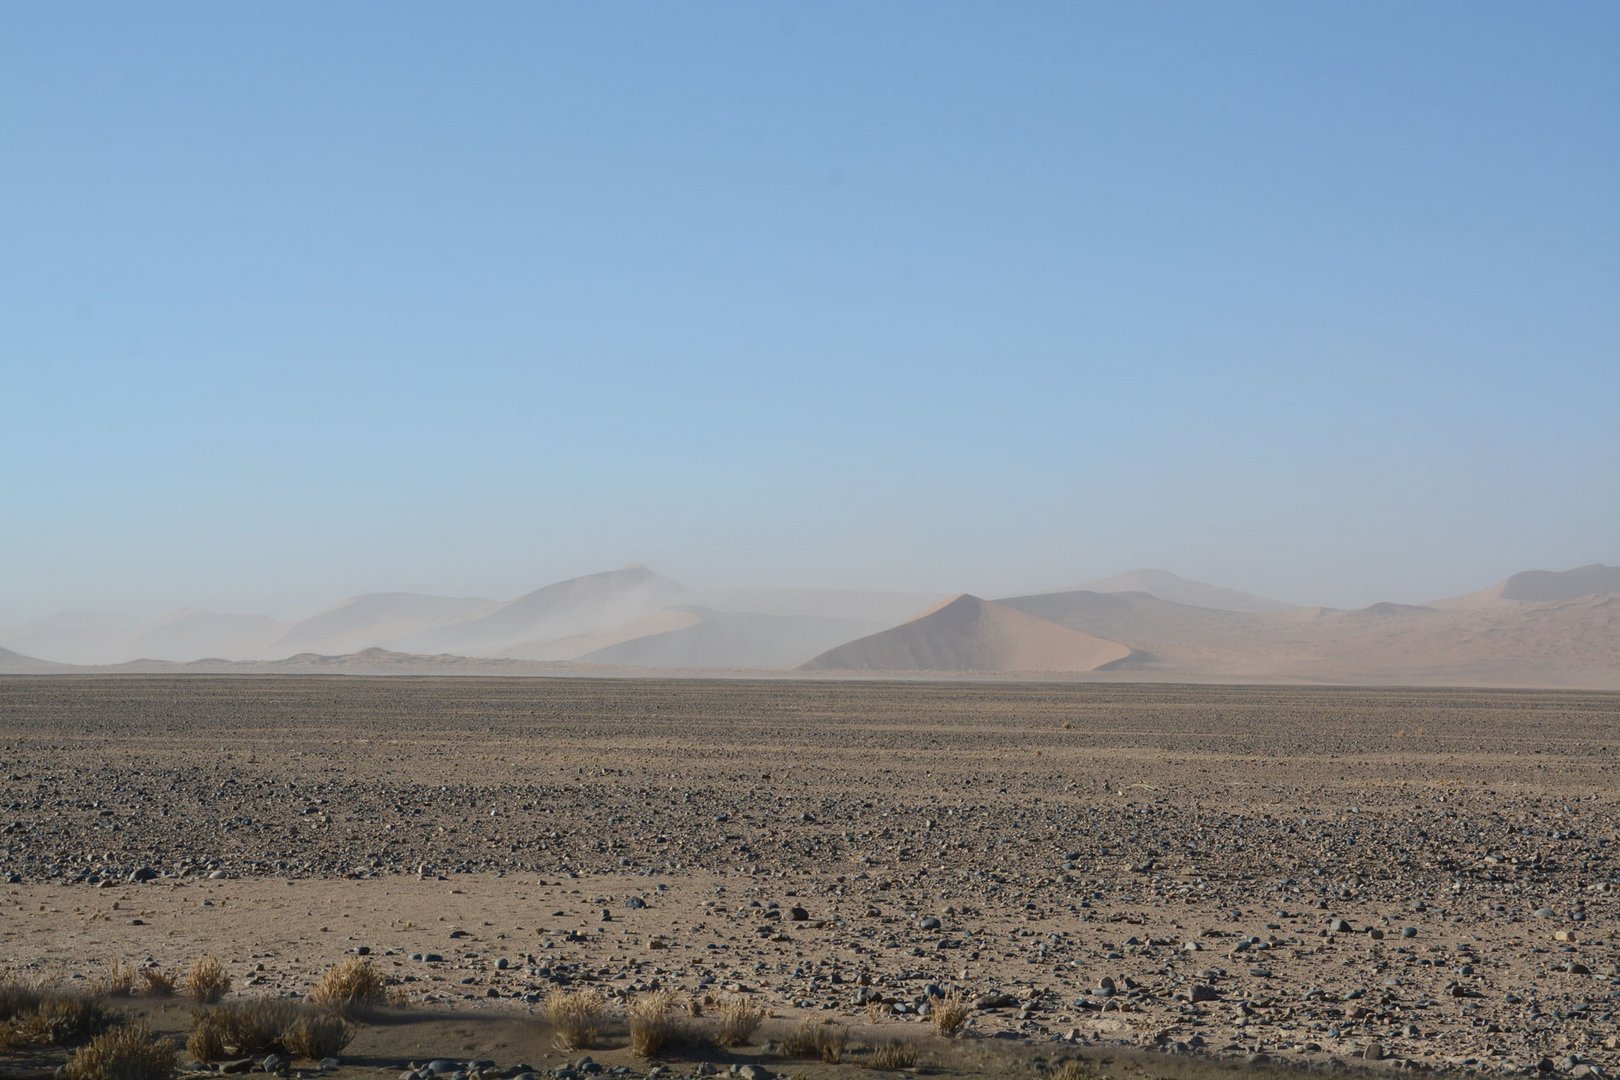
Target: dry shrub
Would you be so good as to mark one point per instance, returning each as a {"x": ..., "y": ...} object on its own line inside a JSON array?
[
  {"x": 350, "y": 988},
  {"x": 206, "y": 982},
  {"x": 60, "y": 1020},
  {"x": 18, "y": 999},
  {"x": 207, "y": 1039},
  {"x": 1073, "y": 1070},
  {"x": 156, "y": 982},
  {"x": 894, "y": 1055},
  {"x": 319, "y": 1036},
  {"x": 124, "y": 1053},
  {"x": 577, "y": 1015},
  {"x": 739, "y": 1019},
  {"x": 118, "y": 980},
  {"x": 653, "y": 1026},
  {"x": 824, "y": 1042},
  {"x": 258, "y": 1026},
  {"x": 950, "y": 1014}
]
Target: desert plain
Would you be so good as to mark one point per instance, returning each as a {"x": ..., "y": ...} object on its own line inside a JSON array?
[{"x": 1145, "y": 878}]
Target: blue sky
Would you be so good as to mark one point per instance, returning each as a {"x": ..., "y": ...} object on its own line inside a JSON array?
[{"x": 301, "y": 300}]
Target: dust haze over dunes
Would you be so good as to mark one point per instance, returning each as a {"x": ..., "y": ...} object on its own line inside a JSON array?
[{"x": 1537, "y": 628}]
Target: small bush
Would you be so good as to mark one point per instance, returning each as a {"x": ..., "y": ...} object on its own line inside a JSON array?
[
  {"x": 206, "y": 982},
  {"x": 652, "y": 1026},
  {"x": 156, "y": 982},
  {"x": 577, "y": 1015},
  {"x": 950, "y": 1014},
  {"x": 739, "y": 1019},
  {"x": 823, "y": 1042},
  {"x": 124, "y": 1053},
  {"x": 118, "y": 980},
  {"x": 18, "y": 999},
  {"x": 318, "y": 1036},
  {"x": 61, "y": 1020},
  {"x": 258, "y": 1026},
  {"x": 206, "y": 1042},
  {"x": 894, "y": 1055},
  {"x": 1073, "y": 1070},
  {"x": 350, "y": 988}
]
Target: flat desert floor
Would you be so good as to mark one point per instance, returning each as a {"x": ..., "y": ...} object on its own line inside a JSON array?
[{"x": 1153, "y": 876}]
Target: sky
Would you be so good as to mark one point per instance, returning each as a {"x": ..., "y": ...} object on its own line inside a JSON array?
[{"x": 298, "y": 301}]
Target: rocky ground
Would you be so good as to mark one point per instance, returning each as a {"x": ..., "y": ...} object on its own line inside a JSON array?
[{"x": 1419, "y": 878}]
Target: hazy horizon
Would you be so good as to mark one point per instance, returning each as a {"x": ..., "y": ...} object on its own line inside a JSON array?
[
  {"x": 295, "y": 604},
  {"x": 305, "y": 303}
]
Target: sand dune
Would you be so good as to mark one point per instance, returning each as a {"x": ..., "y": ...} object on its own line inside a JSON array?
[
  {"x": 186, "y": 635},
  {"x": 1179, "y": 590},
  {"x": 361, "y": 622},
  {"x": 576, "y": 645},
  {"x": 97, "y": 638},
  {"x": 76, "y": 637},
  {"x": 970, "y": 634},
  {"x": 1539, "y": 586},
  {"x": 1573, "y": 642},
  {"x": 883, "y": 609},
  {"x": 591, "y": 604},
  {"x": 17, "y": 664},
  {"x": 714, "y": 639},
  {"x": 1157, "y": 628}
]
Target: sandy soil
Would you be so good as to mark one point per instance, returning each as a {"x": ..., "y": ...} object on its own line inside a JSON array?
[{"x": 1208, "y": 871}]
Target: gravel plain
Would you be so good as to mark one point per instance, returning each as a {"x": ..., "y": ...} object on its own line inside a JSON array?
[{"x": 1306, "y": 876}]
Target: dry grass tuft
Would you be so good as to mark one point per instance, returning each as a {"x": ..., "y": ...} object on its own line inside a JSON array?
[
  {"x": 351, "y": 988},
  {"x": 18, "y": 999},
  {"x": 1074, "y": 1070},
  {"x": 156, "y": 982},
  {"x": 206, "y": 982},
  {"x": 319, "y": 1036},
  {"x": 59, "y": 1020},
  {"x": 950, "y": 1014},
  {"x": 577, "y": 1015},
  {"x": 823, "y": 1042},
  {"x": 124, "y": 1053},
  {"x": 118, "y": 980},
  {"x": 206, "y": 1042},
  {"x": 739, "y": 1019},
  {"x": 894, "y": 1055},
  {"x": 653, "y": 1026},
  {"x": 258, "y": 1026}
]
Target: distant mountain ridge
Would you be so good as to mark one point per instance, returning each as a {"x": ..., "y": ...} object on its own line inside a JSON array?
[{"x": 1536, "y": 628}]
